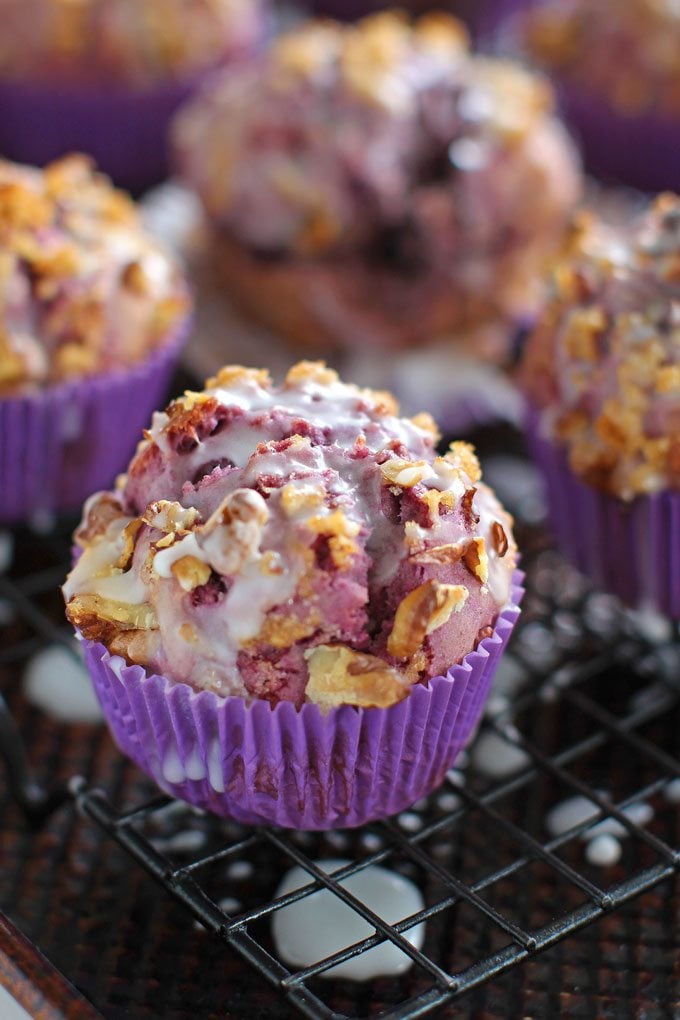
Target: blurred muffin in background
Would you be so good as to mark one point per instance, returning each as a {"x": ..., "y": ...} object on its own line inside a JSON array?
[
  {"x": 617, "y": 70},
  {"x": 602, "y": 374},
  {"x": 377, "y": 186},
  {"x": 105, "y": 76},
  {"x": 92, "y": 316}
]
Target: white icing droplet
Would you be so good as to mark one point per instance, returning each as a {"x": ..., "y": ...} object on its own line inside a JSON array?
[
  {"x": 215, "y": 774},
  {"x": 371, "y": 842},
  {"x": 239, "y": 870},
  {"x": 321, "y": 924},
  {"x": 410, "y": 821},
  {"x": 6, "y": 550},
  {"x": 672, "y": 791},
  {"x": 42, "y": 522},
  {"x": 229, "y": 905},
  {"x": 187, "y": 841},
  {"x": 655, "y": 627},
  {"x": 56, "y": 682},
  {"x": 639, "y": 814},
  {"x": 195, "y": 769},
  {"x": 569, "y": 813},
  {"x": 495, "y": 758},
  {"x": 603, "y": 850},
  {"x": 173, "y": 770},
  {"x": 448, "y": 801}
]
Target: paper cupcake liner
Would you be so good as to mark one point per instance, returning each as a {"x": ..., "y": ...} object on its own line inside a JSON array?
[
  {"x": 62, "y": 443},
  {"x": 629, "y": 549},
  {"x": 641, "y": 150},
  {"x": 297, "y": 768},
  {"x": 124, "y": 131}
]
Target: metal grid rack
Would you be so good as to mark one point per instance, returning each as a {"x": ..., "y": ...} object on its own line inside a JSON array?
[{"x": 595, "y": 712}]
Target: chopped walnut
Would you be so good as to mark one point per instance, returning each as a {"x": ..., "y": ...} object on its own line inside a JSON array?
[
  {"x": 299, "y": 498},
  {"x": 340, "y": 676},
  {"x": 405, "y": 473},
  {"x": 190, "y": 572},
  {"x": 231, "y": 375},
  {"x": 499, "y": 538},
  {"x": 170, "y": 517},
  {"x": 476, "y": 559},
  {"x": 422, "y": 611},
  {"x": 311, "y": 371}
]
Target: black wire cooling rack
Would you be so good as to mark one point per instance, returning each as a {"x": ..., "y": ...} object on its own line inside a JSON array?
[{"x": 587, "y": 704}]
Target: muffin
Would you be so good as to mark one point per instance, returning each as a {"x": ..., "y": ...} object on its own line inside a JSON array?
[
  {"x": 92, "y": 315},
  {"x": 602, "y": 374},
  {"x": 377, "y": 186},
  {"x": 105, "y": 76},
  {"x": 617, "y": 72},
  {"x": 291, "y": 607}
]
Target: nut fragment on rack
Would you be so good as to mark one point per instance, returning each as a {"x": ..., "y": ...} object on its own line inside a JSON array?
[{"x": 190, "y": 572}]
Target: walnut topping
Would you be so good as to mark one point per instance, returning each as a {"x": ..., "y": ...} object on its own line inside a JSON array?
[
  {"x": 447, "y": 555},
  {"x": 499, "y": 538},
  {"x": 668, "y": 379},
  {"x": 190, "y": 572},
  {"x": 422, "y": 611},
  {"x": 231, "y": 535},
  {"x": 427, "y": 423},
  {"x": 311, "y": 371},
  {"x": 99, "y": 514},
  {"x": 232, "y": 375},
  {"x": 91, "y": 614},
  {"x": 135, "y": 646},
  {"x": 308, "y": 50},
  {"x": 463, "y": 456},
  {"x": 340, "y": 531},
  {"x": 299, "y": 498},
  {"x": 134, "y": 278},
  {"x": 340, "y": 676},
  {"x": 476, "y": 560},
  {"x": 188, "y": 634},
  {"x": 281, "y": 630},
  {"x": 405, "y": 473},
  {"x": 170, "y": 517},
  {"x": 129, "y": 537}
]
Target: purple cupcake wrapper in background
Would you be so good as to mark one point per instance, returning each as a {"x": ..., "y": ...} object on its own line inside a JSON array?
[
  {"x": 641, "y": 150},
  {"x": 62, "y": 443},
  {"x": 297, "y": 768},
  {"x": 629, "y": 549},
  {"x": 124, "y": 131}
]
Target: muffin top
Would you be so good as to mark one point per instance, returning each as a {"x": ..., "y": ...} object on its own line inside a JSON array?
[
  {"x": 624, "y": 50},
  {"x": 83, "y": 287},
  {"x": 294, "y": 543},
  {"x": 603, "y": 362},
  {"x": 385, "y": 137},
  {"x": 126, "y": 41}
]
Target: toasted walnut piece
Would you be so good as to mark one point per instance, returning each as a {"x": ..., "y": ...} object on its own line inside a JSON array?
[
  {"x": 447, "y": 555},
  {"x": 135, "y": 646},
  {"x": 75, "y": 359},
  {"x": 169, "y": 516},
  {"x": 82, "y": 609},
  {"x": 340, "y": 676},
  {"x": 311, "y": 371},
  {"x": 129, "y": 537},
  {"x": 405, "y": 473},
  {"x": 231, "y": 535},
  {"x": 435, "y": 499},
  {"x": 23, "y": 209},
  {"x": 190, "y": 572},
  {"x": 271, "y": 564},
  {"x": 281, "y": 630},
  {"x": 426, "y": 422},
  {"x": 188, "y": 634},
  {"x": 583, "y": 327},
  {"x": 499, "y": 538},
  {"x": 476, "y": 559},
  {"x": 463, "y": 456},
  {"x": 668, "y": 379},
  {"x": 166, "y": 541},
  {"x": 231, "y": 375},
  {"x": 422, "y": 611},
  {"x": 384, "y": 403},
  {"x": 100, "y": 512},
  {"x": 439, "y": 31},
  {"x": 135, "y": 279},
  {"x": 307, "y": 51},
  {"x": 467, "y": 506},
  {"x": 299, "y": 498},
  {"x": 413, "y": 538},
  {"x": 336, "y": 523}
]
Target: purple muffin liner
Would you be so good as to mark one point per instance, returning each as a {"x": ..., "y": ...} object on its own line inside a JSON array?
[
  {"x": 125, "y": 131},
  {"x": 641, "y": 150},
  {"x": 631, "y": 549},
  {"x": 297, "y": 768},
  {"x": 62, "y": 443}
]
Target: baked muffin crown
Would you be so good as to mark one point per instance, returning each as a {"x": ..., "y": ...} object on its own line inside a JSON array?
[
  {"x": 293, "y": 543},
  {"x": 83, "y": 287},
  {"x": 604, "y": 360}
]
